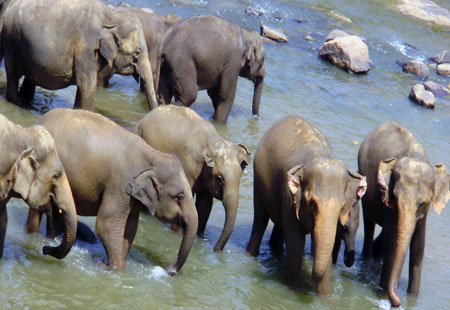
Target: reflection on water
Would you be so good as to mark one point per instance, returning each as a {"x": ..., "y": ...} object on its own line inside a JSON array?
[{"x": 343, "y": 106}]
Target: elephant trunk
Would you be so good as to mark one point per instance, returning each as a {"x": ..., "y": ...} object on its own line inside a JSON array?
[
  {"x": 259, "y": 83},
  {"x": 349, "y": 253},
  {"x": 230, "y": 203},
  {"x": 190, "y": 226},
  {"x": 64, "y": 200},
  {"x": 144, "y": 70},
  {"x": 324, "y": 239},
  {"x": 405, "y": 229}
]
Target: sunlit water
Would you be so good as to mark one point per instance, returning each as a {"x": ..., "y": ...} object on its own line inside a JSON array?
[{"x": 343, "y": 106}]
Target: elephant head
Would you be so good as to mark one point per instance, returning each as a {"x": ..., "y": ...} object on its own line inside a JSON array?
[
  {"x": 122, "y": 45},
  {"x": 252, "y": 65},
  {"x": 323, "y": 193},
  {"x": 347, "y": 233},
  {"x": 168, "y": 196},
  {"x": 38, "y": 177},
  {"x": 224, "y": 165},
  {"x": 407, "y": 187}
]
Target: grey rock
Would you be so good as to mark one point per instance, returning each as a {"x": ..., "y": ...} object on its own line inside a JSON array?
[
  {"x": 443, "y": 69},
  {"x": 442, "y": 57},
  {"x": 273, "y": 34},
  {"x": 252, "y": 11},
  {"x": 422, "y": 96},
  {"x": 436, "y": 89},
  {"x": 417, "y": 68},
  {"x": 334, "y": 34}
]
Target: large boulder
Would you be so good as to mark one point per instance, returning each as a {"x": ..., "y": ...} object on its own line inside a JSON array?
[
  {"x": 417, "y": 68},
  {"x": 442, "y": 58},
  {"x": 436, "y": 89},
  {"x": 347, "y": 52},
  {"x": 422, "y": 96},
  {"x": 443, "y": 69},
  {"x": 334, "y": 34},
  {"x": 273, "y": 34}
]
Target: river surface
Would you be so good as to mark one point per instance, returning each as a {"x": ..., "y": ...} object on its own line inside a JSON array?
[{"x": 345, "y": 107}]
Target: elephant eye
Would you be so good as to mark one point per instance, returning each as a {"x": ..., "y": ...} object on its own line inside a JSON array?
[
  {"x": 33, "y": 164},
  {"x": 179, "y": 197},
  {"x": 220, "y": 180},
  {"x": 137, "y": 52},
  {"x": 57, "y": 175}
]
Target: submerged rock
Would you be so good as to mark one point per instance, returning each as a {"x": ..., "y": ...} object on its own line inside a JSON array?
[
  {"x": 252, "y": 11},
  {"x": 422, "y": 96},
  {"x": 273, "y": 34},
  {"x": 347, "y": 52},
  {"x": 417, "y": 68},
  {"x": 436, "y": 89},
  {"x": 443, "y": 69},
  {"x": 425, "y": 10},
  {"x": 442, "y": 57}
]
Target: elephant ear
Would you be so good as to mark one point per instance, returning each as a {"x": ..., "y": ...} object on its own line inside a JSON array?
[
  {"x": 355, "y": 189},
  {"x": 209, "y": 161},
  {"x": 22, "y": 173},
  {"x": 109, "y": 43},
  {"x": 384, "y": 178},
  {"x": 243, "y": 155},
  {"x": 294, "y": 179},
  {"x": 144, "y": 187},
  {"x": 441, "y": 193}
]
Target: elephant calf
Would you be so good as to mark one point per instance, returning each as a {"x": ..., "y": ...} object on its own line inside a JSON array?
[
  {"x": 347, "y": 233},
  {"x": 113, "y": 173},
  {"x": 31, "y": 169},
  {"x": 401, "y": 185},
  {"x": 302, "y": 189},
  {"x": 212, "y": 164},
  {"x": 206, "y": 52}
]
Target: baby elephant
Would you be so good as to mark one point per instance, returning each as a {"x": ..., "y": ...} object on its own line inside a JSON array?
[
  {"x": 302, "y": 189},
  {"x": 113, "y": 173},
  {"x": 401, "y": 185},
  {"x": 212, "y": 164},
  {"x": 206, "y": 52}
]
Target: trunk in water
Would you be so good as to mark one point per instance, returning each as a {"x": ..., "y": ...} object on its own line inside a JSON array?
[
  {"x": 190, "y": 226},
  {"x": 230, "y": 203},
  {"x": 405, "y": 226},
  {"x": 144, "y": 70},
  {"x": 259, "y": 83},
  {"x": 64, "y": 200}
]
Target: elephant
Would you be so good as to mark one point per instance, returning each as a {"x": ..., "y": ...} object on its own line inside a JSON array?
[
  {"x": 113, "y": 173},
  {"x": 71, "y": 50},
  {"x": 303, "y": 190},
  {"x": 401, "y": 185},
  {"x": 155, "y": 27},
  {"x": 347, "y": 233},
  {"x": 31, "y": 169},
  {"x": 206, "y": 52},
  {"x": 213, "y": 165}
]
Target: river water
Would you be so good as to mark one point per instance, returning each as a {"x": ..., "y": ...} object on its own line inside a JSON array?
[{"x": 345, "y": 107}]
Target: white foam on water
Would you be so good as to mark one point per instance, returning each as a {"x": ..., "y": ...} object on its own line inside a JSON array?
[
  {"x": 407, "y": 51},
  {"x": 157, "y": 272}
]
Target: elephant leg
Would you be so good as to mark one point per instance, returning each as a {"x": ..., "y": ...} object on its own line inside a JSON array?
[
  {"x": 369, "y": 230},
  {"x": 86, "y": 82},
  {"x": 33, "y": 221},
  {"x": 27, "y": 91},
  {"x": 377, "y": 247},
  {"x": 12, "y": 83},
  {"x": 203, "y": 203},
  {"x": 164, "y": 92},
  {"x": 389, "y": 245},
  {"x": 416, "y": 252},
  {"x": 337, "y": 247},
  {"x": 130, "y": 232},
  {"x": 3, "y": 224},
  {"x": 295, "y": 243},
  {"x": 184, "y": 83},
  {"x": 276, "y": 239},
  {"x": 55, "y": 222},
  {"x": 260, "y": 221},
  {"x": 223, "y": 97}
]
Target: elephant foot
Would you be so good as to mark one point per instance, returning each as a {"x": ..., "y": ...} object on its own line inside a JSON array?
[
  {"x": 103, "y": 265},
  {"x": 171, "y": 270}
]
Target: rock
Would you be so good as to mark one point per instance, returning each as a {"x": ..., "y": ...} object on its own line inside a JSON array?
[
  {"x": 417, "y": 68},
  {"x": 422, "y": 96},
  {"x": 253, "y": 11},
  {"x": 279, "y": 17},
  {"x": 347, "y": 52},
  {"x": 273, "y": 34},
  {"x": 432, "y": 66},
  {"x": 443, "y": 69},
  {"x": 298, "y": 20},
  {"x": 425, "y": 10},
  {"x": 441, "y": 58},
  {"x": 340, "y": 17},
  {"x": 309, "y": 38},
  {"x": 436, "y": 89},
  {"x": 334, "y": 34}
]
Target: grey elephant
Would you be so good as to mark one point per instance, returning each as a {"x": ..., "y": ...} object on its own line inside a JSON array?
[
  {"x": 401, "y": 185},
  {"x": 30, "y": 169},
  {"x": 206, "y": 52},
  {"x": 113, "y": 173},
  {"x": 303, "y": 190},
  {"x": 155, "y": 27},
  {"x": 347, "y": 233},
  {"x": 55, "y": 44},
  {"x": 213, "y": 165}
]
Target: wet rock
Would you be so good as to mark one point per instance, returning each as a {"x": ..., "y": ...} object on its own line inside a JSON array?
[
  {"x": 432, "y": 66},
  {"x": 347, "y": 52},
  {"x": 334, "y": 34},
  {"x": 340, "y": 17},
  {"x": 443, "y": 69},
  {"x": 309, "y": 38},
  {"x": 422, "y": 96},
  {"x": 441, "y": 58},
  {"x": 298, "y": 20},
  {"x": 273, "y": 34},
  {"x": 253, "y": 11},
  {"x": 279, "y": 17},
  {"x": 425, "y": 10},
  {"x": 436, "y": 89},
  {"x": 417, "y": 68}
]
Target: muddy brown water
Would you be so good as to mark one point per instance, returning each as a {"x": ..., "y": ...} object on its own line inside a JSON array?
[{"x": 343, "y": 106}]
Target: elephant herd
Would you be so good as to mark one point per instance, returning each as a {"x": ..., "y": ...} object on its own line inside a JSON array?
[{"x": 77, "y": 162}]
